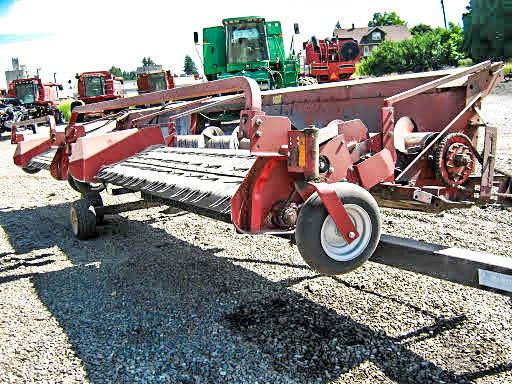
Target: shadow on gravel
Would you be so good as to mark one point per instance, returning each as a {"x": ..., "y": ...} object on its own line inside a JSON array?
[{"x": 144, "y": 306}]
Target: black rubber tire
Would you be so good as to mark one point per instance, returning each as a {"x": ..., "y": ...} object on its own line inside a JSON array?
[
  {"x": 309, "y": 226},
  {"x": 95, "y": 200},
  {"x": 83, "y": 219},
  {"x": 72, "y": 184},
  {"x": 60, "y": 118},
  {"x": 30, "y": 171}
]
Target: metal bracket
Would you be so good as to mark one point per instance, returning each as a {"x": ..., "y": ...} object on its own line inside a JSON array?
[
  {"x": 333, "y": 205},
  {"x": 488, "y": 162}
]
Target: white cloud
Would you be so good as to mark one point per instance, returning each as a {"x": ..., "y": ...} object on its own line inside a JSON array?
[{"x": 97, "y": 34}]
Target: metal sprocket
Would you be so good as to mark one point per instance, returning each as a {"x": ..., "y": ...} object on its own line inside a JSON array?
[{"x": 455, "y": 159}]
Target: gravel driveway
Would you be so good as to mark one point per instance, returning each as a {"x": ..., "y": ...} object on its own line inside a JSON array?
[{"x": 166, "y": 296}]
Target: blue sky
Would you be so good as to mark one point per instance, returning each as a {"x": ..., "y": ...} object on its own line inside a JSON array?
[
  {"x": 70, "y": 36},
  {"x": 4, "y": 6}
]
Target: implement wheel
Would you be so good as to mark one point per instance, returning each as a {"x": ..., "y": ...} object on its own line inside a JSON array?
[
  {"x": 95, "y": 200},
  {"x": 83, "y": 219},
  {"x": 321, "y": 245}
]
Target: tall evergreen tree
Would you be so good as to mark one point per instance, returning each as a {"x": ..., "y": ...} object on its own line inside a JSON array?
[{"x": 190, "y": 67}]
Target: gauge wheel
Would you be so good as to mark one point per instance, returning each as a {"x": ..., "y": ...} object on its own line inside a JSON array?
[
  {"x": 95, "y": 200},
  {"x": 83, "y": 219},
  {"x": 319, "y": 242}
]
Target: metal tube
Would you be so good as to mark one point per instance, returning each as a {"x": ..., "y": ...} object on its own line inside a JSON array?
[{"x": 433, "y": 84}]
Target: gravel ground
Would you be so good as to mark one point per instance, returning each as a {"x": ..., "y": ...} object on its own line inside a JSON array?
[{"x": 165, "y": 296}]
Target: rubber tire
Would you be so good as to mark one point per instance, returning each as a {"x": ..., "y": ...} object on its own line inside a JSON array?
[
  {"x": 60, "y": 118},
  {"x": 86, "y": 219},
  {"x": 30, "y": 171},
  {"x": 72, "y": 184},
  {"x": 309, "y": 225},
  {"x": 95, "y": 200}
]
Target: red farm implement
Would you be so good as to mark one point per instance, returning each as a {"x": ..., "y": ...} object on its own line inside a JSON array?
[
  {"x": 310, "y": 164},
  {"x": 330, "y": 60}
]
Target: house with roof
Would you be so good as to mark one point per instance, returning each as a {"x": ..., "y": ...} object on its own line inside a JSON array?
[{"x": 370, "y": 38}]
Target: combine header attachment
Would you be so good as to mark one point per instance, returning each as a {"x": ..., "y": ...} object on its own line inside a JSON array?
[{"x": 313, "y": 163}]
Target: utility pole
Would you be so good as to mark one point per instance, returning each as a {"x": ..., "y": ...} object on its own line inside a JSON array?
[
  {"x": 55, "y": 82},
  {"x": 444, "y": 14}
]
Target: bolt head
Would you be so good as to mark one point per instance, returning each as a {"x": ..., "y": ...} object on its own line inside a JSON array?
[
  {"x": 259, "y": 122},
  {"x": 259, "y": 133},
  {"x": 351, "y": 235},
  {"x": 390, "y": 133},
  {"x": 331, "y": 169}
]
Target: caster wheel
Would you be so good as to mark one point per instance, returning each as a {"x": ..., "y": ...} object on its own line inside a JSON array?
[
  {"x": 319, "y": 242},
  {"x": 83, "y": 219},
  {"x": 95, "y": 201}
]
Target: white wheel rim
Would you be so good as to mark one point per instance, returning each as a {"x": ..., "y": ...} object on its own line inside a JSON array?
[
  {"x": 74, "y": 221},
  {"x": 335, "y": 245}
]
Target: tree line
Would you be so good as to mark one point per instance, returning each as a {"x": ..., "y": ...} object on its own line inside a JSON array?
[
  {"x": 189, "y": 68},
  {"x": 428, "y": 49}
]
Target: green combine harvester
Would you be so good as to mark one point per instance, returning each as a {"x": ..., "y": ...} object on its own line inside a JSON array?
[{"x": 251, "y": 47}]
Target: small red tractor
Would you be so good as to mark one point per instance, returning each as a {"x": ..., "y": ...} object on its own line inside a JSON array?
[
  {"x": 330, "y": 60},
  {"x": 40, "y": 99},
  {"x": 152, "y": 81}
]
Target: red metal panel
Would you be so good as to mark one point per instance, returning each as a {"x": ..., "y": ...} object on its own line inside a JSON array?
[
  {"x": 269, "y": 135},
  {"x": 26, "y": 150},
  {"x": 376, "y": 169},
  {"x": 267, "y": 183},
  {"x": 337, "y": 154},
  {"x": 89, "y": 154}
]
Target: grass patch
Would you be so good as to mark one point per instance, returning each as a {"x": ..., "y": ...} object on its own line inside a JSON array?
[{"x": 508, "y": 68}]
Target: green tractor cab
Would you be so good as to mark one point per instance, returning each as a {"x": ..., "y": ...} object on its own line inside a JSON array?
[{"x": 251, "y": 47}]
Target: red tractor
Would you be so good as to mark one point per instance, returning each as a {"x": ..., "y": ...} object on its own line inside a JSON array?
[
  {"x": 40, "y": 99},
  {"x": 330, "y": 60},
  {"x": 97, "y": 86},
  {"x": 152, "y": 81}
]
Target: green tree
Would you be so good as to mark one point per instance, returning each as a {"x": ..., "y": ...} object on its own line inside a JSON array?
[
  {"x": 386, "y": 19},
  {"x": 147, "y": 61},
  {"x": 131, "y": 75},
  {"x": 115, "y": 71},
  {"x": 434, "y": 50},
  {"x": 190, "y": 67},
  {"x": 421, "y": 29}
]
